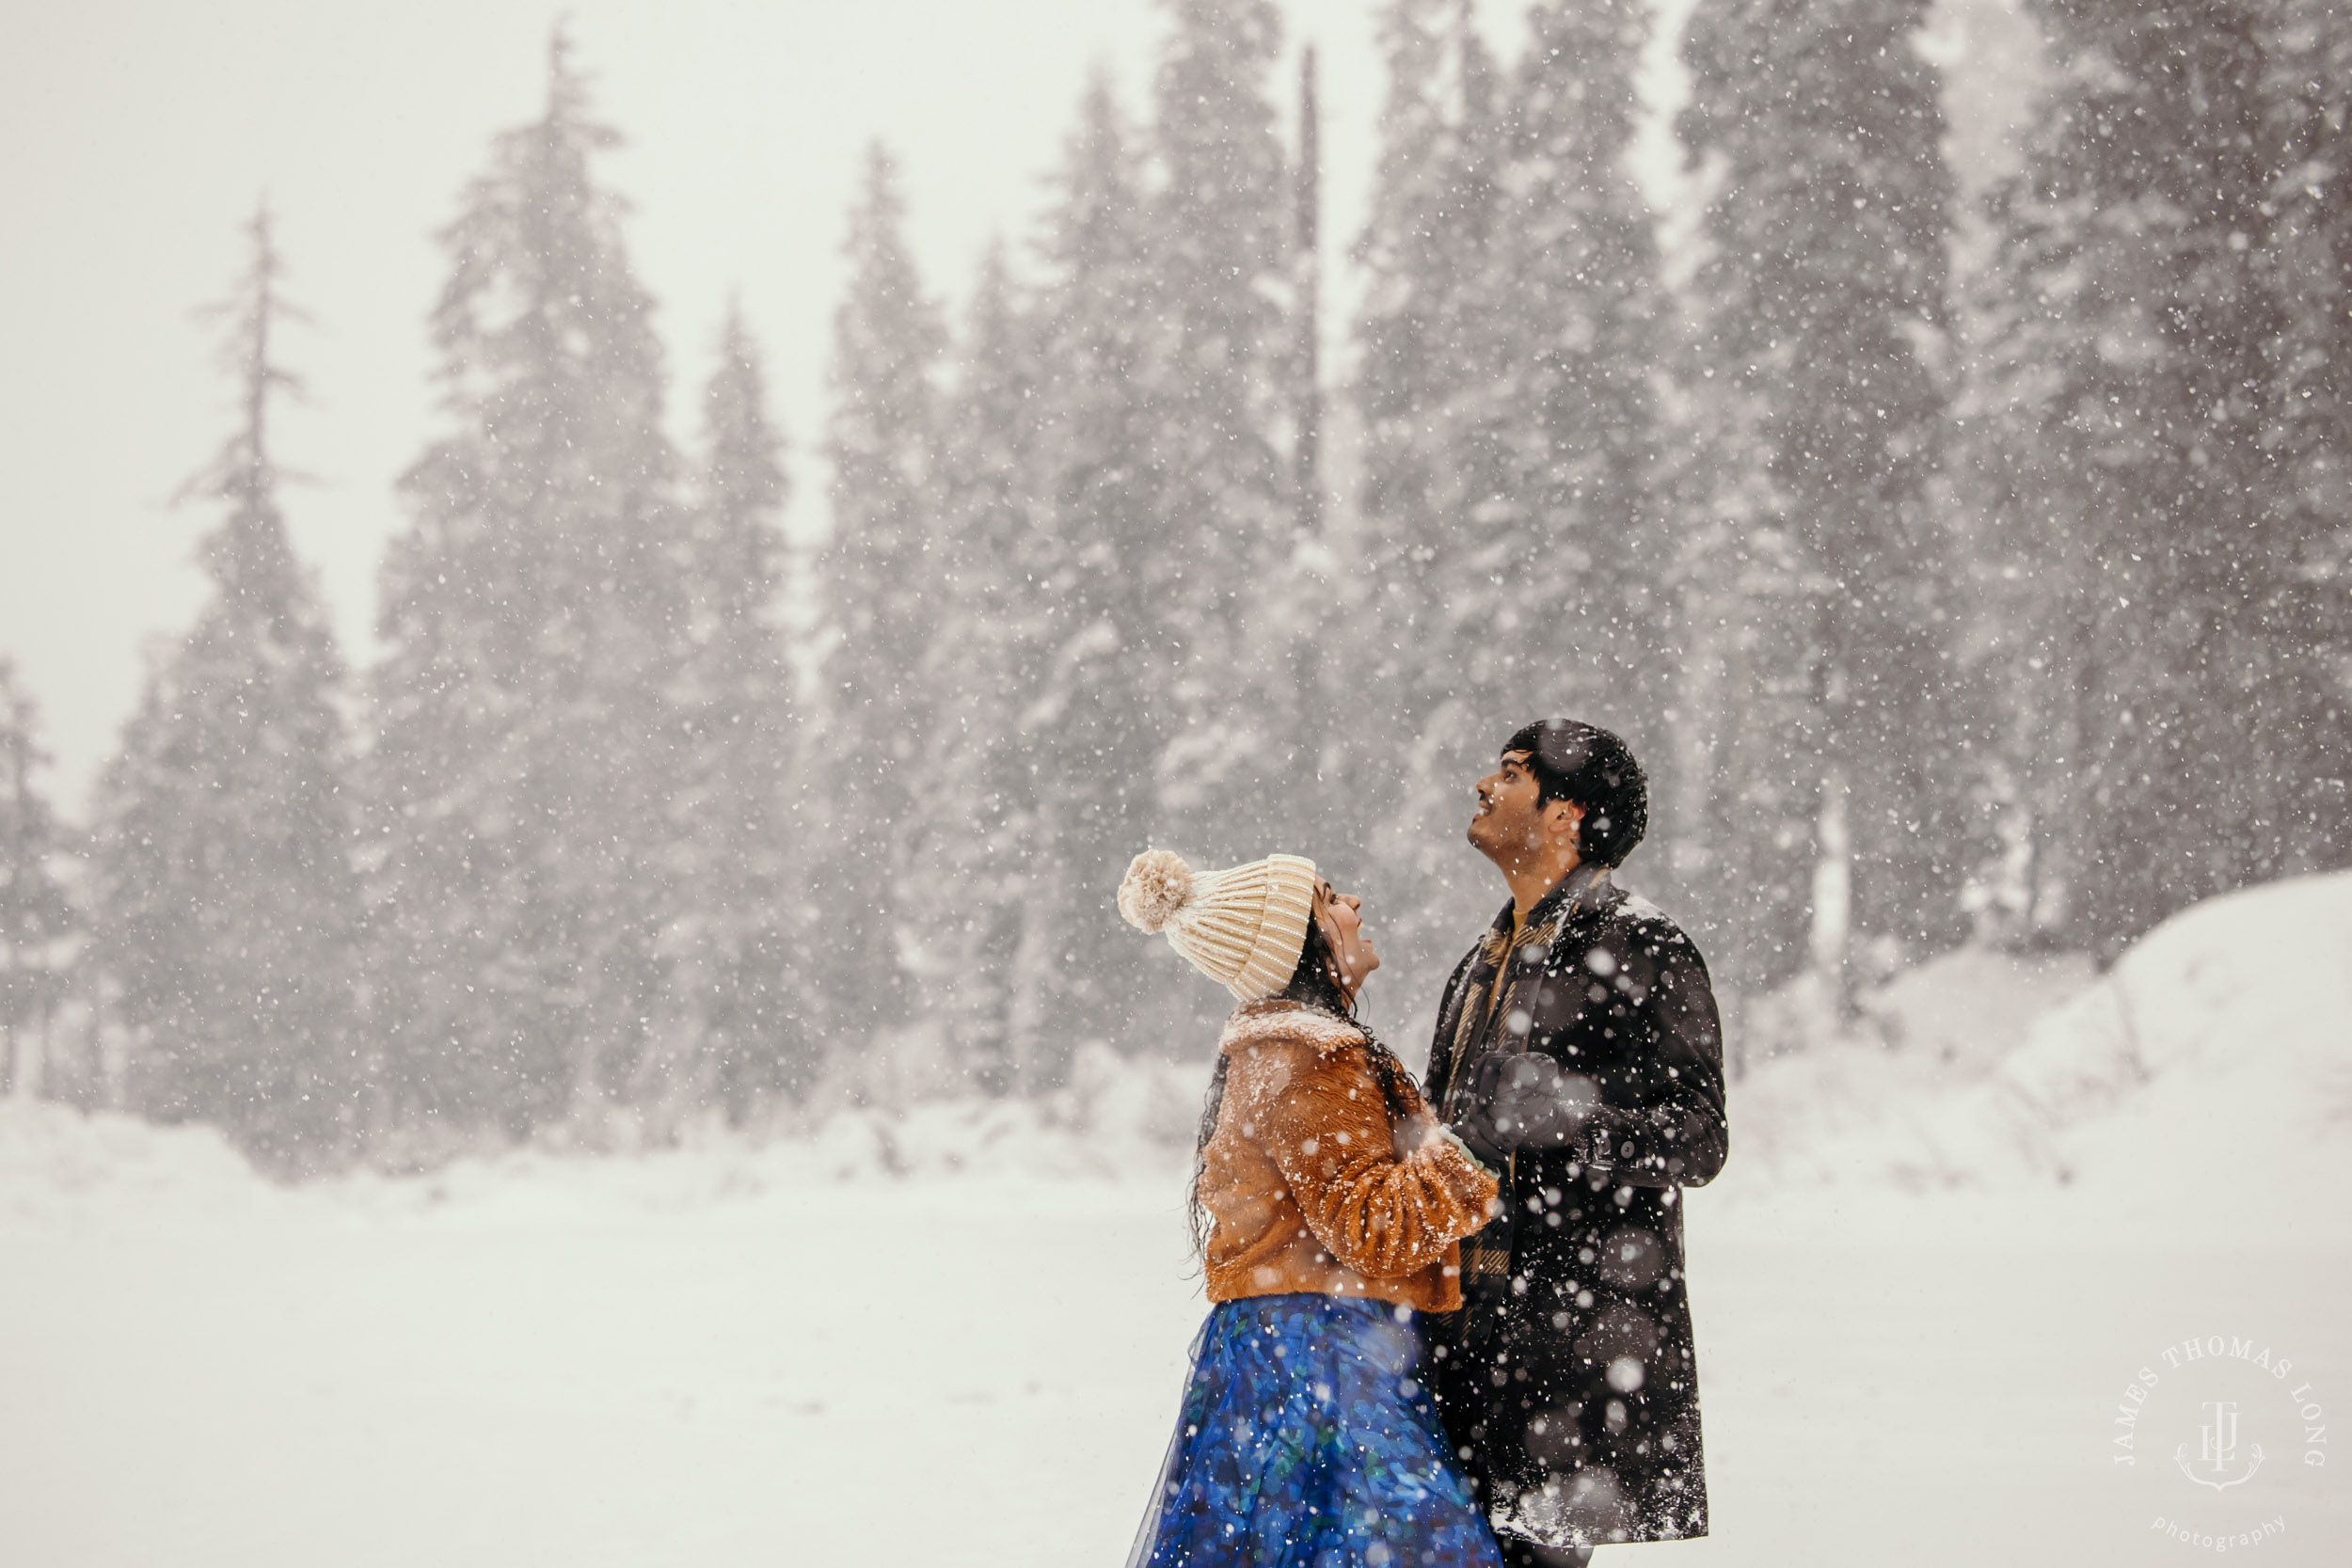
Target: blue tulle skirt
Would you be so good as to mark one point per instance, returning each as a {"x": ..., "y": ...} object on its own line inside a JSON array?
[{"x": 1305, "y": 1442}]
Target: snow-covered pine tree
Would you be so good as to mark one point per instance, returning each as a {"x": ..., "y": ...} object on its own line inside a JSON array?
[
  {"x": 526, "y": 736},
  {"x": 976, "y": 841},
  {"x": 1101, "y": 569},
  {"x": 881, "y": 579},
  {"x": 228, "y": 907},
  {"x": 1568, "y": 562},
  {"x": 1219, "y": 373},
  {"x": 2163, "y": 529},
  {"x": 2304, "y": 617},
  {"x": 736, "y": 790},
  {"x": 1425, "y": 253},
  {"x": 1744, "y": 806},
  {"x": 2025, "y": 413},
  {"x": 1511, "y": 336},
  {"x": 1733, "y": 817},
  {"x": 1433, "y": 388},
  {"x": 37, "y": 918},
  {"x": 2310, "y": 89},
  {"x": 1823, "y": 301}
]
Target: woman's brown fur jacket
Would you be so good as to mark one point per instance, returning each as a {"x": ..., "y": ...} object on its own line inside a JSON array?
[{"x": 1311, "y": 1186}]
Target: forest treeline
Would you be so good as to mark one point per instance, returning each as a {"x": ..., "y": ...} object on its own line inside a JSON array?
[{"x": 1959, "y": 568}]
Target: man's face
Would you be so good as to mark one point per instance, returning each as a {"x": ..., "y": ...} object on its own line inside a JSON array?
[
  {"x": 1512, "y": 828},
  {"x": 1509, "y": 824}
]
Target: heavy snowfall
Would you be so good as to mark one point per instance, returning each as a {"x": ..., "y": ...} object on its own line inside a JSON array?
[
  {"x": 633, "y": 1059},
  {"x": 1921, "y": 1289}
]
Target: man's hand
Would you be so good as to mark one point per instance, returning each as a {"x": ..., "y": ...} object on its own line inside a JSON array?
[{"x": 1525, "y": 1102}]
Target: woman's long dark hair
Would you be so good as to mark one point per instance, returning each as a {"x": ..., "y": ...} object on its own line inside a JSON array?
[{"x": 1316, "y": 983}]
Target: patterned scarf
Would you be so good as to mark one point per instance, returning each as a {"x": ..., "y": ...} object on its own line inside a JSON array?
[{"x": 1492, "y": 997}]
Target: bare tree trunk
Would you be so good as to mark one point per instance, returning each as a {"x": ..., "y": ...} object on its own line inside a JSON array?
[
  {"x": 1696, "y": 855},
  {"x": 1696, "y": 724},
  {"x": 1307, "y": 474},
  {"x": 31, "y": 1059},
  {"x": 1832, "y": 894}
]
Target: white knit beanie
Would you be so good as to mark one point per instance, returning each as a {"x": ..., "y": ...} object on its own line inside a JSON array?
[{"x": 1243, "y": 926}]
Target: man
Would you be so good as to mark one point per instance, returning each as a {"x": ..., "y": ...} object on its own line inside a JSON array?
[{"x": 1577, "y": 1052}]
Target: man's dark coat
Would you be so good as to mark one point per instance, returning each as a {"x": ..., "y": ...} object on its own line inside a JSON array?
[{"x": 1574, "y": 1389}]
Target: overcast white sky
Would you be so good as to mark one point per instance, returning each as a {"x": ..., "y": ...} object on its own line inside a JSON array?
[{"x": 137, "y": 135}]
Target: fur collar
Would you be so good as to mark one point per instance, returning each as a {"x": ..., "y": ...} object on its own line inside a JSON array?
[{"x": 1278, "y": 1020}]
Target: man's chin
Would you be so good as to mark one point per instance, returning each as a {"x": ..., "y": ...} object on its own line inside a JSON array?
[{"x": 1496, "y": 849}]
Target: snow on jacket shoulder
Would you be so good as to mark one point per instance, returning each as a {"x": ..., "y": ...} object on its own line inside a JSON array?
[{"x": 1312, "y": 1186}]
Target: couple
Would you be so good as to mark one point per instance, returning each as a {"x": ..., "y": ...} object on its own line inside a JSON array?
[{"x": 1449, "y": 1326}]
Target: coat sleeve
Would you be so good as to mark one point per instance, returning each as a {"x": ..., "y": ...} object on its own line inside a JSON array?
[
  {"x": 1672, "y": 1131},
  {"x": 1385, "y": 1202}
]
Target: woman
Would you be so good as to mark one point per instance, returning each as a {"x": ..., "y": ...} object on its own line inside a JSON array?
[{"x": 1328, "y": 1206}]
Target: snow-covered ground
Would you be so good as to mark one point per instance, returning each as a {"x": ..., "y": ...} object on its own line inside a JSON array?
[{"x": 1923, "y": 1289}]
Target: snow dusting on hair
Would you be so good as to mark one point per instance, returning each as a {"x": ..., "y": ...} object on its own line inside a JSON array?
[{"x": 1158, "y": 883}]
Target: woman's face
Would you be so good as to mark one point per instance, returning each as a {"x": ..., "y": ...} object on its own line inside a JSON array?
[{"x": 1341, "y": 917}]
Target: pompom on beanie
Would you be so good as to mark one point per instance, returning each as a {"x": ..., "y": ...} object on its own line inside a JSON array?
[{"x": 1243, "y": 926}]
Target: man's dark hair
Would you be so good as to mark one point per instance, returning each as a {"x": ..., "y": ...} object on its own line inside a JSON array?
[{"x": 1586, "y": 766}]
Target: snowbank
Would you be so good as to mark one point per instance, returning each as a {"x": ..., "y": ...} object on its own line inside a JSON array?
[
  {"x": 51, "y": 1153},
  {"x": 1118, "y": 1121},
  {"x": 1825, "y": 1104},
  {"x": 2203, "y": 1086},
  {"x": 2214, "y": 1060}
]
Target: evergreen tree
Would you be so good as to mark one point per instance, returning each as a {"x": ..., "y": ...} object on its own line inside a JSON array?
[
  {"x": 2163, "y": 495},
  {"x": 1732, "y": 814},
  {"x": 734, "y": 811},
  {"x": 2303, "y": 626},
  {"x": 1510, "y": 336},
  {"x": 1098, "y": 568},
  {"x": 527, "y": 733},
  {"x": 975, "y": 837},
  {"x": 2310, "y": 90},
  {"x": 1573, "y": 540},
  {"x": 1434, "y": 390},
  {"x": 36, "y": 916},
  {"x": 2023, "y": 328},
  {"x": 1218, "y": 372},
  {"x": 1824, "y": 304},
  {"x": 1424, "y": 252},
  {"x": 883, "y": 577},
  {"x": 228, "y": 906}
]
